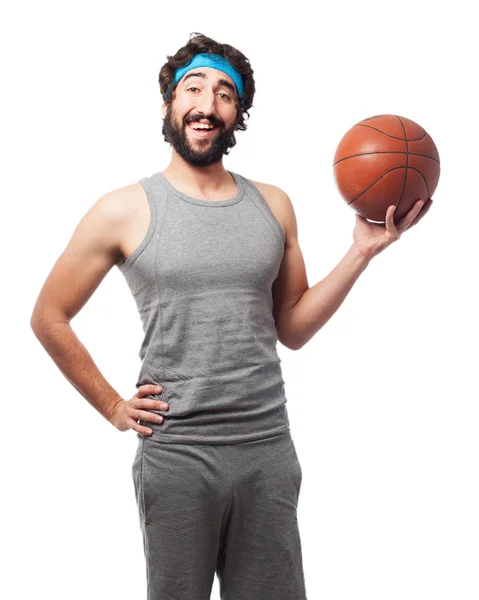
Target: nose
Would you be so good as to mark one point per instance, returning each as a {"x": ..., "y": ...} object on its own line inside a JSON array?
[{"x": 206, "y": 103}]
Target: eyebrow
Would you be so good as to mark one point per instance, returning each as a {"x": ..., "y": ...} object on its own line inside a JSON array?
[{"x": 221, "y": 82}]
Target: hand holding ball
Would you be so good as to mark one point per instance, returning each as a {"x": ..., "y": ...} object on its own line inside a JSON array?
[{"x": 385, "y": 160}]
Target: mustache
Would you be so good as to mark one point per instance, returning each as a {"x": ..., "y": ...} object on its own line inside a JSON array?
[{"x": 211, "y": 121}]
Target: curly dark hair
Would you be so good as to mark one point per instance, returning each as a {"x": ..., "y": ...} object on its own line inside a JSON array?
[{"x": 199, "y": 44}]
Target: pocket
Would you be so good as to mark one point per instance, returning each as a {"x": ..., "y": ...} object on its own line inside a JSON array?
[
  {"x": 151, "y": 480},
  {"x": 137, "y": 474},
  {"x": 297, "y": 465}
]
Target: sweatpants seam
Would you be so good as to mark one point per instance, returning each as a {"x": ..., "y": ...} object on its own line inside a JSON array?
[
  {"x": 145, "y": 535},
  {"x": 142, "y": 479}
]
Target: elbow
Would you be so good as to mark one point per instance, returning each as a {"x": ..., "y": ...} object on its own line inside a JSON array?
[
  {"x": 286, "y": 338},
  {"x": 40, "y": 322},
  {"x": 289, "y": 343},
  {"x": 34, "y": 323},
  {"x": 295, "y": 345},
  {"x": 37, "y": 320},
  {"x": 37, "y": 326}
]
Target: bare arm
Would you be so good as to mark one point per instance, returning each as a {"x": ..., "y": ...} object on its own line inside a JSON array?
[
  {"x": 92, "y": 251},
  {"x": 299, "y": 310}
]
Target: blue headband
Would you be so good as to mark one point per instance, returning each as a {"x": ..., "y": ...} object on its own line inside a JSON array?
[{"x": 215, "y": 62}]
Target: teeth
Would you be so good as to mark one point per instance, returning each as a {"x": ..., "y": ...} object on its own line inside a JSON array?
[{"x": 202, "y": 126}]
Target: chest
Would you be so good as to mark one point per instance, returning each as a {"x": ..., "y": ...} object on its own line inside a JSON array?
[
  {"x": 140, "y": 219},
  {"x": 233, "y": 248}
]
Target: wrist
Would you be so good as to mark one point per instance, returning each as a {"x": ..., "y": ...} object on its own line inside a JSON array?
[
  {"x": 361, "y": 260},
  {"x": 112, "y": 408}
]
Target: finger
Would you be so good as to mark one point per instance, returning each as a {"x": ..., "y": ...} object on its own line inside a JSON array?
[
  {"x": 422, "y": 212},
  {"x": 152, "y": 404},
  {"x": 148, "y": 388},
  {"x": 390, "y": 226},
  {"x": 405, "y": 223},
  {"x": 146, "y": 403},
  {"x": 147, "y": 416},
  {"x": 139, "y": 428}
]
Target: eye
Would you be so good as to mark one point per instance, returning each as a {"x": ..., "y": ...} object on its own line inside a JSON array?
[{"x": 221, "y": 93}]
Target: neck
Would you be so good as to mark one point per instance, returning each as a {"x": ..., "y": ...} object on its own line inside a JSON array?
[{"x": 201, "y": 181}]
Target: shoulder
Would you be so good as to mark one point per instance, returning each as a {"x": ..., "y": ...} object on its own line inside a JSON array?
[
  {"x": 119, "y": 208},
  {"x": 274, "y": 194},
  {"x": 122, "y": 201},
  {"x": 281, "y": 206},
  {"x": 118, "y": 212}
]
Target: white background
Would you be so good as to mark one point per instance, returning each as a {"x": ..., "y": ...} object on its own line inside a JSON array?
[{"x": 383, "y": 401}]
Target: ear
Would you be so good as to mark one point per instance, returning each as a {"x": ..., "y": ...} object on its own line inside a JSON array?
[{"x": 163, "y": 108}]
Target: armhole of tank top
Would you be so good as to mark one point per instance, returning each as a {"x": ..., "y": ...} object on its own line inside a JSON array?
[
  {"x": 151, "y": 226},
  {"x": 268, "y": 213}
]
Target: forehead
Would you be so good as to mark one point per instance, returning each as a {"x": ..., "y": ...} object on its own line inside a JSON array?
[{"x": 209, "y": 74}]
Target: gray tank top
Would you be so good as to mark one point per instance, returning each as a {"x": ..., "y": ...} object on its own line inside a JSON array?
[{"x": 202, "y": 278}]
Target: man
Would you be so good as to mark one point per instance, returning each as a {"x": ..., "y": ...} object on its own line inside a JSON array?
[{"x": 213, "y": 261}]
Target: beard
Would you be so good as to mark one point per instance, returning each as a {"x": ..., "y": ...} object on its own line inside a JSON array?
[{"x": 200, "y": 152}]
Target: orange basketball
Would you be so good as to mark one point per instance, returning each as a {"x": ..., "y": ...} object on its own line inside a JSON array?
[{"x": 384, "y": 160}]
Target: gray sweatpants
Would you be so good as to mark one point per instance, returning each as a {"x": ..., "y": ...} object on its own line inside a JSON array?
[{"x": 227, "y": 509}]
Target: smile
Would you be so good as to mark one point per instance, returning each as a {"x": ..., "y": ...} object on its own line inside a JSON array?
[{"x": 200, "y": 132}]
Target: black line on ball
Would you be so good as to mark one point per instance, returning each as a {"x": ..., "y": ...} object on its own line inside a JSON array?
[
  {"x": 374, "y": 182},
  {"x": 422, "y": 175},
  {"x": 383, "y": 175},
  {"x": 393, "y": 136},
  {"x": 374, "y": 117},
  {"x": 407, "y": 163},
  {"x": 387, "y": 152}
]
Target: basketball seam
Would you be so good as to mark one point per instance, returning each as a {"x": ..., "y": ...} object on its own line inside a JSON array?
[
  {"x": 393, "y": 136},
  {"x": 375, "y": 117},
  {"x": 374, "y": 182},
  {"x": 383, "y": 175},
  {"x": 385, "y": 152},
  {"x": 422, "y": 175},
  {"x": 407, "y": 163}
]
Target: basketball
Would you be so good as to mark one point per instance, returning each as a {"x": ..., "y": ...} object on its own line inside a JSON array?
[{"x": 384, "y": 160}]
